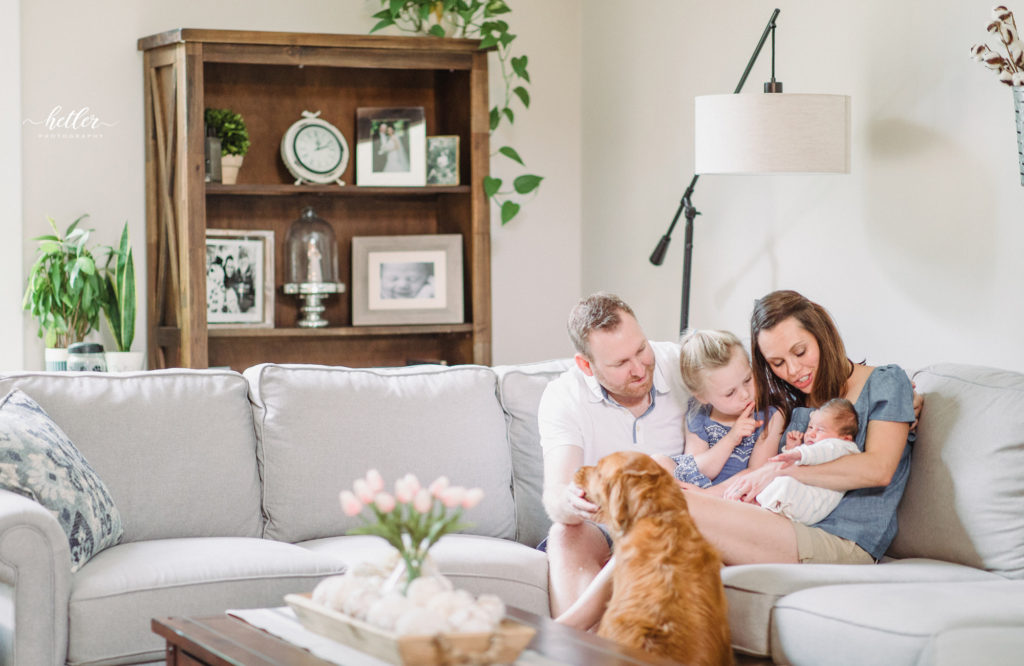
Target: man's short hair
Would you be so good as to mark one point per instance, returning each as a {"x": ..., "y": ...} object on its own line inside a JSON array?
[{"x": 598, "y": 312}]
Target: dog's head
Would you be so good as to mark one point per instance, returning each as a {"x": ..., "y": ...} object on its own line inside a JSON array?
[{"x": 628, "y": 486}]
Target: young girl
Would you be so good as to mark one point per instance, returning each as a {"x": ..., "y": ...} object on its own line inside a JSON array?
[{"x": 724, "y": 435}]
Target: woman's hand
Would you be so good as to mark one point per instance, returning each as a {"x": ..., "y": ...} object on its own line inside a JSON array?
[{"x": 746, "y": 487}]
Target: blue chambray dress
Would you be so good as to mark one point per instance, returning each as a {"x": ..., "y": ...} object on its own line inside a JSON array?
[
  {"x": 867, "y": 516},
  {"x": 700, "y": 423}
]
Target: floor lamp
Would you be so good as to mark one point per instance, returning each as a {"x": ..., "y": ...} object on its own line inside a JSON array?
[{"x": 759, "y": 133}]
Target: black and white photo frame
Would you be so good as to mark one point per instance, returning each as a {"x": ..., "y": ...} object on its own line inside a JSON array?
[{"x": 239, "y": 278}]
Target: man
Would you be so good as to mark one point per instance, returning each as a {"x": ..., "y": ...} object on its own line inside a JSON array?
[{"x": 625, "y": 393}]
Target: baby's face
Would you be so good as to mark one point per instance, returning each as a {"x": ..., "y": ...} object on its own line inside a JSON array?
[
  {"x": 403, "y": 280},
  {"x": 821, "y": 425}
]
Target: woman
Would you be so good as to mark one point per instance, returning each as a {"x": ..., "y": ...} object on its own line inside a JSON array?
[{"x": 799, "y": 359}]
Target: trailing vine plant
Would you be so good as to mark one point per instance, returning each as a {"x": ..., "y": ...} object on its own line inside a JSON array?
[{"x": 476, "y": 19}]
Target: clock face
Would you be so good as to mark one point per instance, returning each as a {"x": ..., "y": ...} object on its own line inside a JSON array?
[{"x": 318, "y": 149}]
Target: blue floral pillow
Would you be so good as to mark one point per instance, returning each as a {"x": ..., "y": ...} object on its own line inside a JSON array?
[{"x": 38, "y": 460}]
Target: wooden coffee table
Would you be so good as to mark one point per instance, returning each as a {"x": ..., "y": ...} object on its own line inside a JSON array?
[{"x": 227, "y": 641}]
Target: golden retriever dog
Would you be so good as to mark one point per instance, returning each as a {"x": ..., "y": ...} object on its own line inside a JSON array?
[{"x": 667, "y": 596}]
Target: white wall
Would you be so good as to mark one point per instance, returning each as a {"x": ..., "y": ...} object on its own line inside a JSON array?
[
  {"x": 11, "y": 344},
  {"x": 76, "y": 58},
  {"x": 917, "y": 252}
]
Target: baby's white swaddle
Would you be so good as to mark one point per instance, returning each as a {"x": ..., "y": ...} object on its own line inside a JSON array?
[{"x": 799, "y": 501}]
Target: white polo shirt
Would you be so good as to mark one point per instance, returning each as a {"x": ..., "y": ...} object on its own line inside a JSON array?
[{"x": 576, "y": 411}]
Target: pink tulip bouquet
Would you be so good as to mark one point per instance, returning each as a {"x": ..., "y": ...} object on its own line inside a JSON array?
[
  {"x": 412, "y": 519},
  {"x": 1009, "y": 69}
]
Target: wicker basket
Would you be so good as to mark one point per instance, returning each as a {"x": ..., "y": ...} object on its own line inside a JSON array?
[{"x": 503, "y": 646}]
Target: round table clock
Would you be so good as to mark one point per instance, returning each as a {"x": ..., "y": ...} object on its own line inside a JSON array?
[{"x": 314, "y": 150}]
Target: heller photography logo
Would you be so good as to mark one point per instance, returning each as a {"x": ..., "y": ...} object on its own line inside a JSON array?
[{"x": 78, "y": 123}]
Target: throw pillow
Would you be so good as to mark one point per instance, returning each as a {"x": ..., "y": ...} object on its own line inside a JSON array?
[{"x": 38, "y": 460}]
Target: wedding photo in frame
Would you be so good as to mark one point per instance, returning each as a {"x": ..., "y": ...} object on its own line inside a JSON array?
[
  {"x": 239, "y": 278},
  {"x": 407, "y": 280},
  {"x": 443, "y": 159},
  {"x": 391, "y": 145}
]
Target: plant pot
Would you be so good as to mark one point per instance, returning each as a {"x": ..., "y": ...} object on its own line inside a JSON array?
[
  {"x": 229, "y": 166},
  {"x": 129, "y": 361},
  {"x": 56, "y": 359}
]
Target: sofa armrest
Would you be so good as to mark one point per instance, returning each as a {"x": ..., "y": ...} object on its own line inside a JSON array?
[{"x": 35, "y": 583}]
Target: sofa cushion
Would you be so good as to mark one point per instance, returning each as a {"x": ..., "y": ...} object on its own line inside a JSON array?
[
  {"x": 520, "y": 388},
  {"x": 320, "y": 428},
  {"x": 754, "y": 589},
  {"x": 38, "y": 460},
  {"x": 116, "y": 594},
  {"x": 518, "y": 574},
  {"x": 964, "y": 501},
  {"x": 893, "y": 623},
  {"x": 992, "y": 646},
  {"x": 169, "y": 445}
]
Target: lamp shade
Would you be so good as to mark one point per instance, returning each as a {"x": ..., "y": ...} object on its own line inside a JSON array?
[{"x": 772, "y": 133}]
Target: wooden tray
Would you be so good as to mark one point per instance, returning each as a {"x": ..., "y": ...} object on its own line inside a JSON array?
[{"x": 502, "y": 646}]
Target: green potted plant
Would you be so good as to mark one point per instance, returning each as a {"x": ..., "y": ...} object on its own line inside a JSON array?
[
  {"x": 229, "y": 127},
  {"x": 120, "y": 306},
  {"x": 65, "y": 291}
]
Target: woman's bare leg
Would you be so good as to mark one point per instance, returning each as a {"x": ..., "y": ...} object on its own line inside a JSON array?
[{"x": 743, "y": 533}]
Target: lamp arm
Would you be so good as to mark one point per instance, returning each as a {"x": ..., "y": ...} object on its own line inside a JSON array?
[{"x": 685, "y": 204}]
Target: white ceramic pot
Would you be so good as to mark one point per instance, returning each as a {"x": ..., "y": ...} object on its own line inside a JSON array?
[
  {"x": 129, "y": 361},
  {"x": 56, "y": 359},
  {"x": 229, "y": 166}
]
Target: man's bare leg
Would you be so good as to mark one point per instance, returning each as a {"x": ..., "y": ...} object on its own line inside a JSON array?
[{"x": 576, "y": 554}]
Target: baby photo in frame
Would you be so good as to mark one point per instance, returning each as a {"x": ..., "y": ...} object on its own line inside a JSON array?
[
  {"x": 407, "y": 279},
  {"x": 391, "y": 146}
]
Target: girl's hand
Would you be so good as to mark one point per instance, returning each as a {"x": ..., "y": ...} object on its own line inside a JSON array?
[
  {"x": 794, "y": 439},
  {"x": 786, "y": 457},
  {"x": 745, "y": 424},
  {"x": 745, "y": 487}
]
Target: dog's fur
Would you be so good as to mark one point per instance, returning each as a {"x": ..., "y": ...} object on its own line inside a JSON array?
[{"x": 667, "y": 594}]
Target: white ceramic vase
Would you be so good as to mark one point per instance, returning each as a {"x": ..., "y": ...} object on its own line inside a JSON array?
[
  {"x": 129, "y": 361},
  {"x": 229, "y": 166}
]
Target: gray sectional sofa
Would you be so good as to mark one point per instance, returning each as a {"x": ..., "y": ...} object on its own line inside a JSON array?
[{"x": 227, "y": 486}]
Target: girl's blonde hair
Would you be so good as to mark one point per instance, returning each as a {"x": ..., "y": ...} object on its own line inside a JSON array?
[{"x": 705, "y": 350}]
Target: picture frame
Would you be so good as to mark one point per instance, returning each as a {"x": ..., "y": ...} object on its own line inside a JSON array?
[
  {"x": 407, "y": 280},
  {"x": 391, "y": 145},
  {"x": 443, "y": 159},
  {"x": 239, "y": 278}
]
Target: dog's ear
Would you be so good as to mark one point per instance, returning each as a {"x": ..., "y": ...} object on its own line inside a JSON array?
[{"x": 628, "y": 492}]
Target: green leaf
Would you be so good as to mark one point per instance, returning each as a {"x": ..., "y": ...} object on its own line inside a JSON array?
[
  {"x": 523, "y": 95},
  {"x": 488, "y": 41},
  {"x": 508, "y": 114},
  {"x": 511, "y": 154},
  {"x": 495, "y": 118},
  {"x": 383, "y": 23},
  {"x": 506, "y": 38},
  {"x": 508, "y": 211},
  {"x": 519, "y": 67},
  {"x": 424, "y": 12},
  {"x": 495, "y": 7},
  {"x": 491, "y": 185},
  {"x": 527, "y": 183},
  {"x": 396, "y": 7},
  {"x": 436, "y": 31},
  {"x": 384, "y": 13}
]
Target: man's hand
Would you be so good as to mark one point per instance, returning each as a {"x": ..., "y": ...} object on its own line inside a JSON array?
[{"x": 579, "y": 503}]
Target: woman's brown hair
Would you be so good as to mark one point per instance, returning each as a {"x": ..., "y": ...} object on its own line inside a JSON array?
[{"x": 833, "y": 366}]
